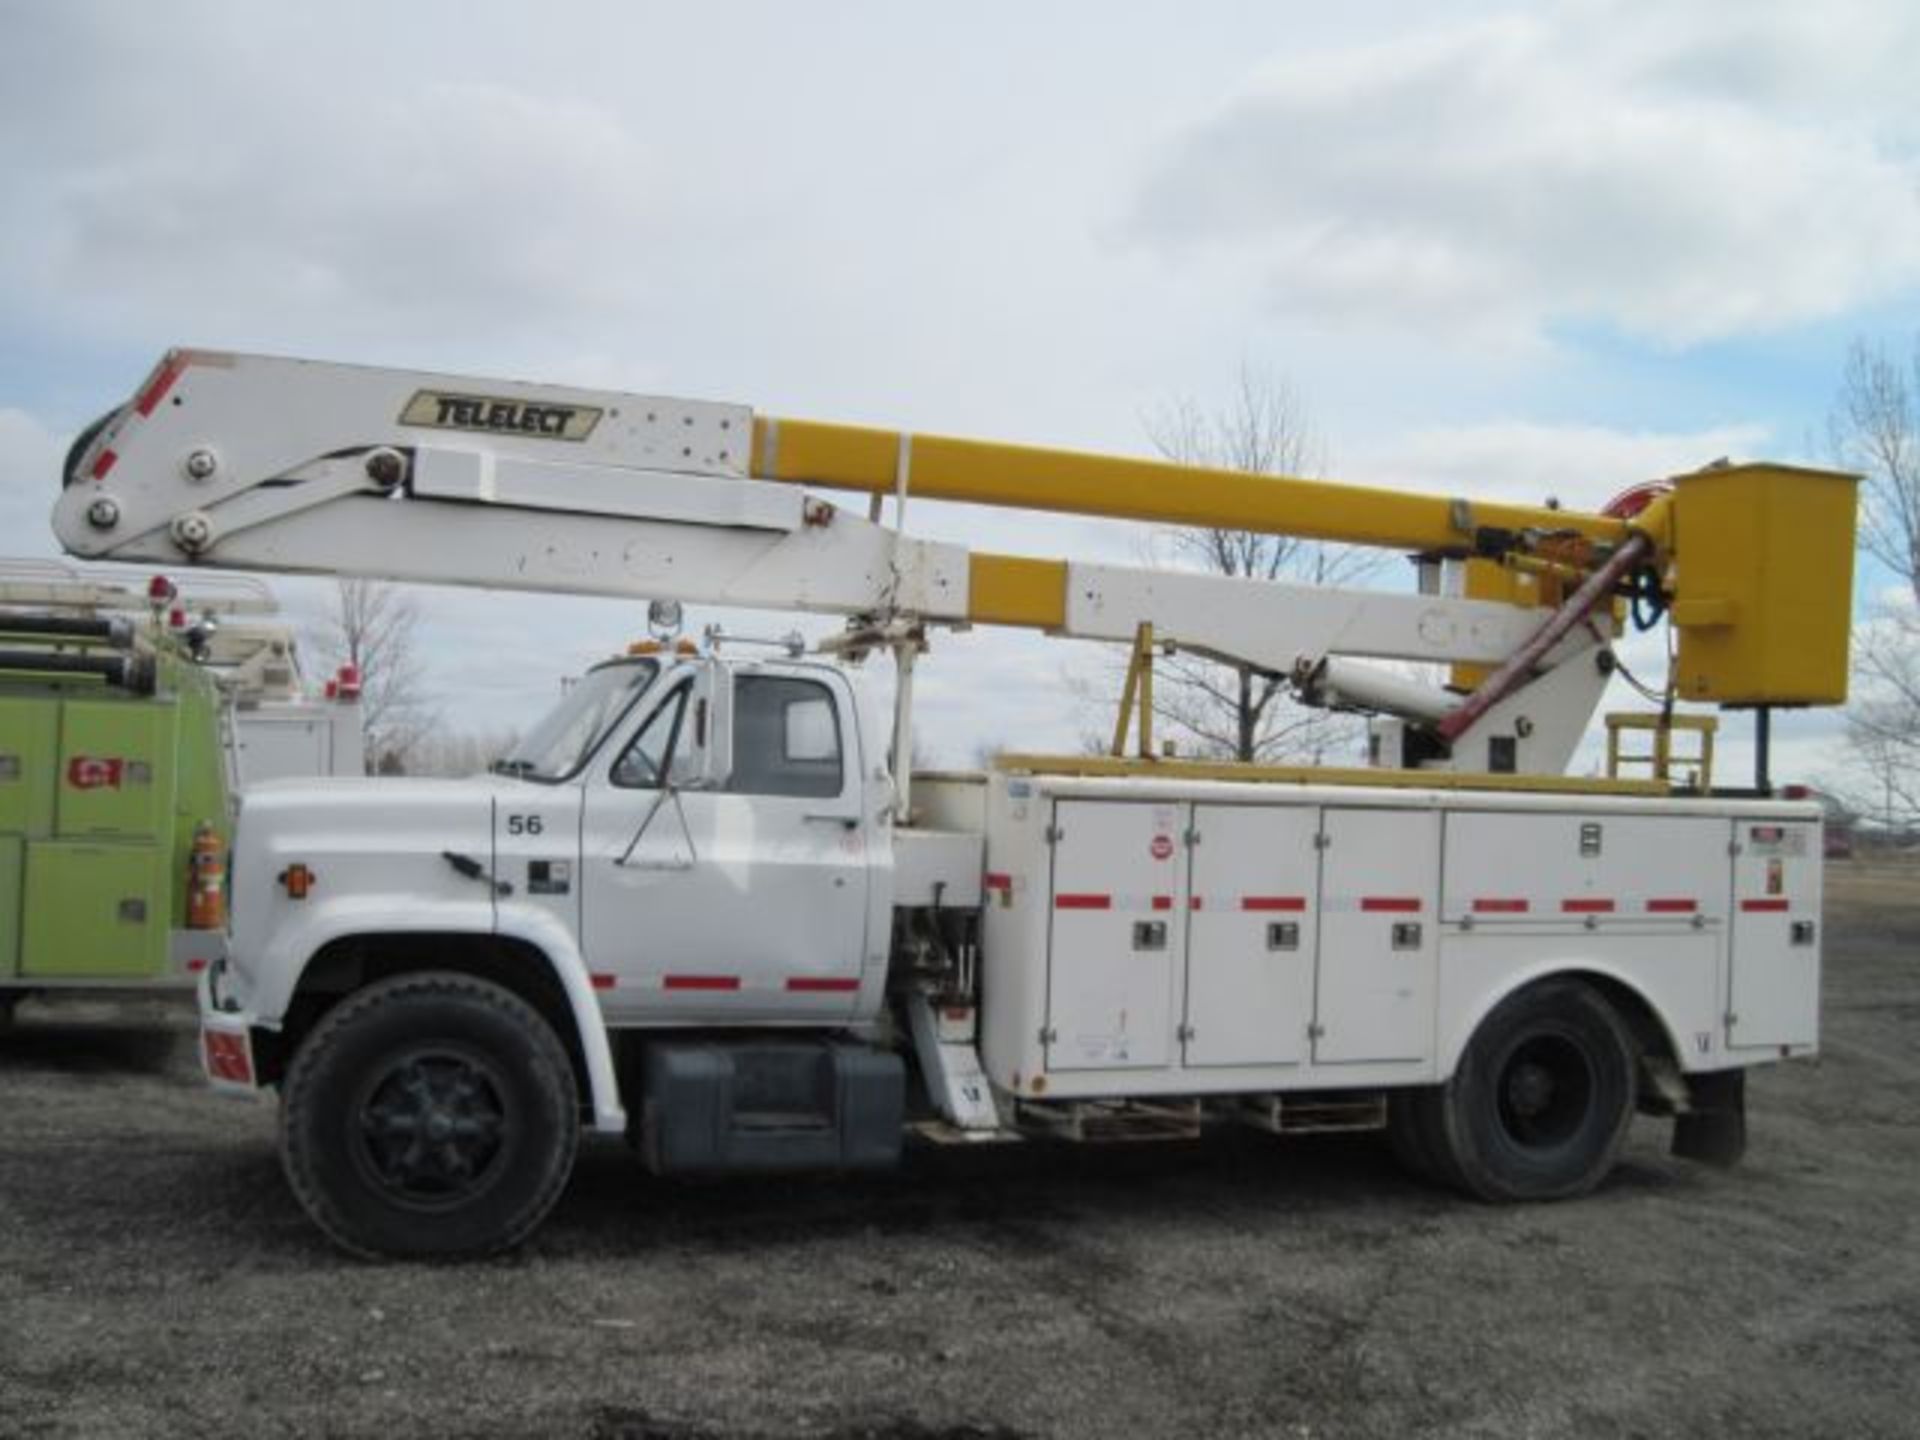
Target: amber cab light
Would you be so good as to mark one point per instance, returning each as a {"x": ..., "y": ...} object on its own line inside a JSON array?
[{"x": 298, "y": 879}]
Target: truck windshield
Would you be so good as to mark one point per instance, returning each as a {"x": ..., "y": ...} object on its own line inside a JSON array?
[{"x": 562, "y": 742}]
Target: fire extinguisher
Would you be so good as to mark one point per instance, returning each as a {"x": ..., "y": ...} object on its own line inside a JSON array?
[{"x": 206, "y": 880}]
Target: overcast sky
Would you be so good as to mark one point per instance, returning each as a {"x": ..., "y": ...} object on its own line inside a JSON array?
[{"x": 1499, "y": 250}]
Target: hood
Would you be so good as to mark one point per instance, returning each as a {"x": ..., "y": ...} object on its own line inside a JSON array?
[{"x": 376, "y": 843}]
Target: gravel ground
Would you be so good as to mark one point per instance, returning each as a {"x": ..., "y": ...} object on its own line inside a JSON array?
[{"x": 157, "y": 1278}]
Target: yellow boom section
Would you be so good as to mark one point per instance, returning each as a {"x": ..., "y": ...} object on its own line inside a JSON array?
[{"x": 1028, "y": 477}]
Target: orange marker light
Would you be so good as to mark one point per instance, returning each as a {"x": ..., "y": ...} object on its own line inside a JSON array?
[{"x": 298, "y": 879}]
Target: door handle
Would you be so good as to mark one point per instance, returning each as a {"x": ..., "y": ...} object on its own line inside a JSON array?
[{"x": 846, "y": 822}]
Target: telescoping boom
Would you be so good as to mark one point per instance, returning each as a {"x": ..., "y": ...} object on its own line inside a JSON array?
[{"x": 259, "y": 463}]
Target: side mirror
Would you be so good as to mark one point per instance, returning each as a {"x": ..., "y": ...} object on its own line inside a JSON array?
[{"x": 707, "y": 738}]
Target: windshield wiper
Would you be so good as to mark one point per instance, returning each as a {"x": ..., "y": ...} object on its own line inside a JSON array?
[{"x": 510, "y": 767}]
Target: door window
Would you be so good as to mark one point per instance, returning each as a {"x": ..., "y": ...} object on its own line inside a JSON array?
[
  {"x": 786, "y": 738},
  {"x": 644, "y": 763}
]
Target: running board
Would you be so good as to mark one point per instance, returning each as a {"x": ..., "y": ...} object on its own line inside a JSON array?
[
  {"x": 1309, "y": 1114},
  {"x": 1111, "y": 1121}
]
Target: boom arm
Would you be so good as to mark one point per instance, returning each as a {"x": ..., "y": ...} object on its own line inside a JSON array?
[{"x": 255, "y": 463}]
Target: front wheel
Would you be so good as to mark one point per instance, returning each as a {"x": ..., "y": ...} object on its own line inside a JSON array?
[
  {"x": 1539, "y": 1105},
  {"x": 429, "y": 1114}
]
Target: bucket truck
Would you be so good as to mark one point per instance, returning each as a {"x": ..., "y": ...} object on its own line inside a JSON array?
[{"x": 705, "y": 904}]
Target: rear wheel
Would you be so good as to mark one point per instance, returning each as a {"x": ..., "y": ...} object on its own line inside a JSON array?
[
  {"x": 430, "y": 1114},
  {"x": 1540, "y": 1103},
  {"x": 1406, "y": 1138}
]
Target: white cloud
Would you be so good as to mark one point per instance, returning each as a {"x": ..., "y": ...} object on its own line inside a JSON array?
[
  {"x": 1680, "y": 173},
  {"x": 418, "y": 209}
]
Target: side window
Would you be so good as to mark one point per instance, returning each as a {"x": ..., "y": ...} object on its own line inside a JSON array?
[
  {"x": 643, "y": 765},
  {"x": 786, "y": 738}
]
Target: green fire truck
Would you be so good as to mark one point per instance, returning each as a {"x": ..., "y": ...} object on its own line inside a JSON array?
[{"x": 127, "y": 724}]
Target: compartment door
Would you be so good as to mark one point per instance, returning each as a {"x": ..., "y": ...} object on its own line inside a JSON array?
[
  {"x": 1251, "y": 917},
  {"x": 1114, "y": 932},
  {"x": 1775, "y": 990},
  {"x": 1584, "y": 868},
  {"x": 116, "y": 767},
  {"x": 1379, "y": 884},
  {"x": 29, "y": 731},
  {"x": 95, "y": 911}
]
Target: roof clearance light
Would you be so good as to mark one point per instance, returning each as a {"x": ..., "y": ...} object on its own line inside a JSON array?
[{"x": 348, "y": 682}]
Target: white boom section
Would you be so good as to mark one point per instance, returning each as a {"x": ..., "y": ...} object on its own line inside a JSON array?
[{"x": 257, "y": 463}]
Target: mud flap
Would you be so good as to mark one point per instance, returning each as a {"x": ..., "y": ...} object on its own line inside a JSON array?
[{"x": 1714, "y": 1128}]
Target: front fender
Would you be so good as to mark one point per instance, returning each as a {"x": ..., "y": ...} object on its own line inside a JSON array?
[
  {"x": 300, "y": 937},
  {"x": 551, "y": 938},
  {"x": 310, "y": 925}
]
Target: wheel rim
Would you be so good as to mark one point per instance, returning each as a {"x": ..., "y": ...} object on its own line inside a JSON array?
[
  {"x": 1546, "y": 1087},
  {"x": 430, "y": 1128}
]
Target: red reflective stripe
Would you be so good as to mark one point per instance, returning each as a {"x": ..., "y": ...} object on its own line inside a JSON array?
[
  {"x": 604, "y": 982},
  {"x": 1501, "y": 907},
  {"x": 1586, "y": 907},
  {"x": 1672, "y": 907},
  {"x": 1397, "y": 904},
  {"x": 997, "y": 881},
  {"x": 1273, "y": 902},
  {"x": 1163, "y": 902},
  {"x": 701, "y": 982},
  {"x": 169, "y": 371},
  {"x": 1083, "y": 902},
  {"x": 195, "y": 966},
  {"x": 1780, "y": 904},
  {"x": 819, "y": 983},
  {"x": 102, "y": 464}
]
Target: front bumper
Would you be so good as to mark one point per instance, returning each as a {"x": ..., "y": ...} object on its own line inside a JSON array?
[{"x": 226, "y": 1039}]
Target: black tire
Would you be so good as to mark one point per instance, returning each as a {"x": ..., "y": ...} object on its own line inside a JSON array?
[
  {"x": 1416, "y": 1137},
  {"x": 431, "y": 1115},
  {"x": 1406, "y": 1139},
  {"x": 1540, "y": 1103}
]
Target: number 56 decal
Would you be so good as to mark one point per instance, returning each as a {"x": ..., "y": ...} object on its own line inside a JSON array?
[{"x": 524, "y": 825}]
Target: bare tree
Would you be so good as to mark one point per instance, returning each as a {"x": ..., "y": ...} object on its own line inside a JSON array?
[
  {"x": 1236, "y": 711},
  {"x": 374, "y": 627},
  {"x": 1875, "y": 428},
  {"x": 1883, "y": 723}
]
